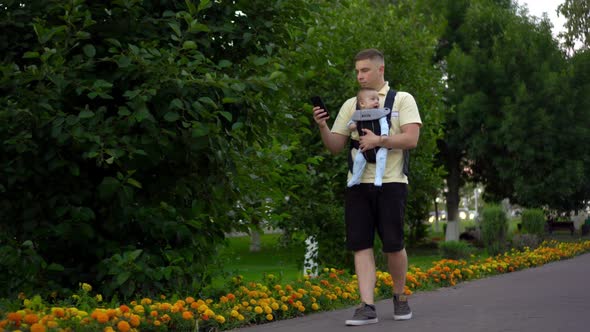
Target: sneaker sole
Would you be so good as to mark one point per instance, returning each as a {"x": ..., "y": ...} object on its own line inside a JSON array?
[
  {"x": 352, "y": 322},
  {"x": 402, "y": 317}
]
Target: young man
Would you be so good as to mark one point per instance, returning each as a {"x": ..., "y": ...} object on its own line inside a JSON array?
[{"x": 368, "y": 208}]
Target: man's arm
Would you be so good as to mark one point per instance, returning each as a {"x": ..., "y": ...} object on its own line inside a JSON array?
[
  {"x": 334, "y": 142},
  {"x": 406, "y": 140}
]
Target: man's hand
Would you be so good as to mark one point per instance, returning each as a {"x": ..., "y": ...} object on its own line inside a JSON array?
[
  {"x": 369, "y": 140},
  {"x": 320, "y": 116}
]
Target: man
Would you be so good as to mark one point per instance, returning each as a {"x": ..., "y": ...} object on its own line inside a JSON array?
[{"x": 369, "y": 208}]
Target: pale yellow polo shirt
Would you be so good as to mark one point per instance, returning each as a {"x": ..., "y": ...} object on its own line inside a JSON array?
[{"x": 404, "y": 111}]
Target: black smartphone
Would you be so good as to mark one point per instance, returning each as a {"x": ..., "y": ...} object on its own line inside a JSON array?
[{"x": 317, "y": 101}]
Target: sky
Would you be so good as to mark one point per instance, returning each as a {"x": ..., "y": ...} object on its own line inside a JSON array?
[{"x": 537, "y": 7}]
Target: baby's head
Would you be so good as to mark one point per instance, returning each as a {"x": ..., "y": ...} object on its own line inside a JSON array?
[{"x": 368, "y": 98}]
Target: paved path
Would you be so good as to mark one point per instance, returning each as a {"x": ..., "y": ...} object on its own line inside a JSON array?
[{"x": 550, "y": 298}]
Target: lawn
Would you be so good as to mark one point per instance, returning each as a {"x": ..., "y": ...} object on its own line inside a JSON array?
[{"x": 285, "y": 263}]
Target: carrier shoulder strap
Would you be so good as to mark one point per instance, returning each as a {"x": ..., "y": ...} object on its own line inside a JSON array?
[{"x": 389, "y": 99}]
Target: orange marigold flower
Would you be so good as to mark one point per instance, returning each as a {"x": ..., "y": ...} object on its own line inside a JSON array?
[
  {"x": 123, "y": 326},
  {"x": 124, "y": 308},
  {"x": 15, "y": 317},
  {"x": 189, "y": 300},
  {"x": 134, "y": 320},
  {"x": 231, "y": 297},
  {"x": 58, "y": 312},
  {"x": 37, "y": 328},
  {"x": 223, "y": 299},
  {"x": 187, "y": 315},
  {"x": 102, "y": 317},
  {"x": 154, "y": 313},
  {"x": 31, "y": 319}
]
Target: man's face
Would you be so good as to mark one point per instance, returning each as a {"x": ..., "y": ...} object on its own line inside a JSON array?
[{"x": 369, "y": 73}]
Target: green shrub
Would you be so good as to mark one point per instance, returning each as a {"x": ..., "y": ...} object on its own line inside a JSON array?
[
  {"x": 455, "y": 249},
  {"x": 494, "y": 227},
  {"x": 533, "y": 222}
]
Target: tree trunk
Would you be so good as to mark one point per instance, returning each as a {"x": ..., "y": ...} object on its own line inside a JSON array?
[{"x": 452, "y": 195}]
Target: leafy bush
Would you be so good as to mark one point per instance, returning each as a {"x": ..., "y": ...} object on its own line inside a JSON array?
[
  {"x": 455, "y": 249},
  {"x": 494, "y": 228},
  {"x": 533, "y": 222}
]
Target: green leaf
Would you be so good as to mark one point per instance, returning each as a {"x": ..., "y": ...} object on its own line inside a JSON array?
[
  {"x": 224, "y": 64},
  {"x": 31, "y": 55},
  {"x": 259, "y": 61},
  {"x": 134, "y": 183},
  {"x": 198, "y": 27},
  {"x": 176, "y": 103},
  {"x": 132, "y": 255},
  {"x": 204, "y": 4},
  {"x": 86, "y": 114},
  {"x": 189, "y": 45},
  {"x": 208, "y": 101},
  {"x": 122, "y": 278},
  {"x": 175, "y": 27},
  {"x": 239, "y": 86},
  {"x": 171, "y": 116},
  {"x": 199, "y": 130},
  {"x": 237, "y": 125},
  {"x": 123, "y": 61},
  {"x": 226, "y": 115},
  {"x": 55, "y": 267},
  {"x": 89, "y": 50}
]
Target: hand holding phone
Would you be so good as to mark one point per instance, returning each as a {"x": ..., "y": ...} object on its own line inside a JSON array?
[{"x": 317, "y": 101}]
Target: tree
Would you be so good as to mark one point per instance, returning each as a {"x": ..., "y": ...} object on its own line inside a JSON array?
[
  {"x": 577, "y": 14},
  {"x": 118, "y": 125}
]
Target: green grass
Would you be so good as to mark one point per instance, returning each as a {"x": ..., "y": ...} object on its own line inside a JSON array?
[{"x": 285, "y": 263}]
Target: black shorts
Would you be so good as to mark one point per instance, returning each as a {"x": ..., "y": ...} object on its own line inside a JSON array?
[{"x": 369, "y": 209}]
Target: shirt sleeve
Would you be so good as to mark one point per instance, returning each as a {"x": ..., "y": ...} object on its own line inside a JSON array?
[
  {"x": 408, "y": 109},
  {"x": 344, "y": 115}
]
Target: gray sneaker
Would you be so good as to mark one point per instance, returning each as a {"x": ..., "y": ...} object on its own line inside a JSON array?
[
  {"x": 363, "y": 315},
  {"x": 401, "y": 308}
]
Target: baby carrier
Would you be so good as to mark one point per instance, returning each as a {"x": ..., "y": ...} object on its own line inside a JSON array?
[{"x": 370, "y": 121}]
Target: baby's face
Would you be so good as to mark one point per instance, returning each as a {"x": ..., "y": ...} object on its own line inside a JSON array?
[{"x": 370, "y": 100}]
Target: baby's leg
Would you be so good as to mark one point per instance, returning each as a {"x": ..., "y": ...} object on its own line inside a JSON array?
[
  {"x": 357, "y": 169},
  {"x": 380, "y": 167}
]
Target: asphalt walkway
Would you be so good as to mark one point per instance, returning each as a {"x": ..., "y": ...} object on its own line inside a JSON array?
[{"x": 550, "y": 298}]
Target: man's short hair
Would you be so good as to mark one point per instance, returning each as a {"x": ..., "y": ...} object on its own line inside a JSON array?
[{"x": 370, "y": 54}]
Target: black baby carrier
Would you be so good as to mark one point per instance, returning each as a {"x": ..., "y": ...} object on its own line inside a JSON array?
[{"x": 369, "y": 119}]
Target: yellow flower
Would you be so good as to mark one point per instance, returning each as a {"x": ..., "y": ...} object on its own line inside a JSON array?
[
  {"x": 234, "y": 314},
  {"x": 86, "y": 287},
  {"x": 220, "y": 319},
  {"x": 258, "y": 310},
  {"x": 315, "y": 306},
  {"x": 269, "y": 317},
  {"x": 98, "y": 298}
]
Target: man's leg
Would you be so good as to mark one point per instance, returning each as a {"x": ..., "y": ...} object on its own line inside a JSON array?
[
  {"x": 397, "y": 262},
  {"x": 364, "y": 265}
]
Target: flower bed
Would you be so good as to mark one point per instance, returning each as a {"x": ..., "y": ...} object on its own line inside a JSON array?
[{"x": 257, "y": 303}]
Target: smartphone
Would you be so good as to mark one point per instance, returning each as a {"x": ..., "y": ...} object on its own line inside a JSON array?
[{"x": 317, "y": 101}]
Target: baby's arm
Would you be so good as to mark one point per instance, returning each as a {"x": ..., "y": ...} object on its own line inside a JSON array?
[
  {"x": 384, "y": 126},
  {"x": 352, "y": 125}
]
